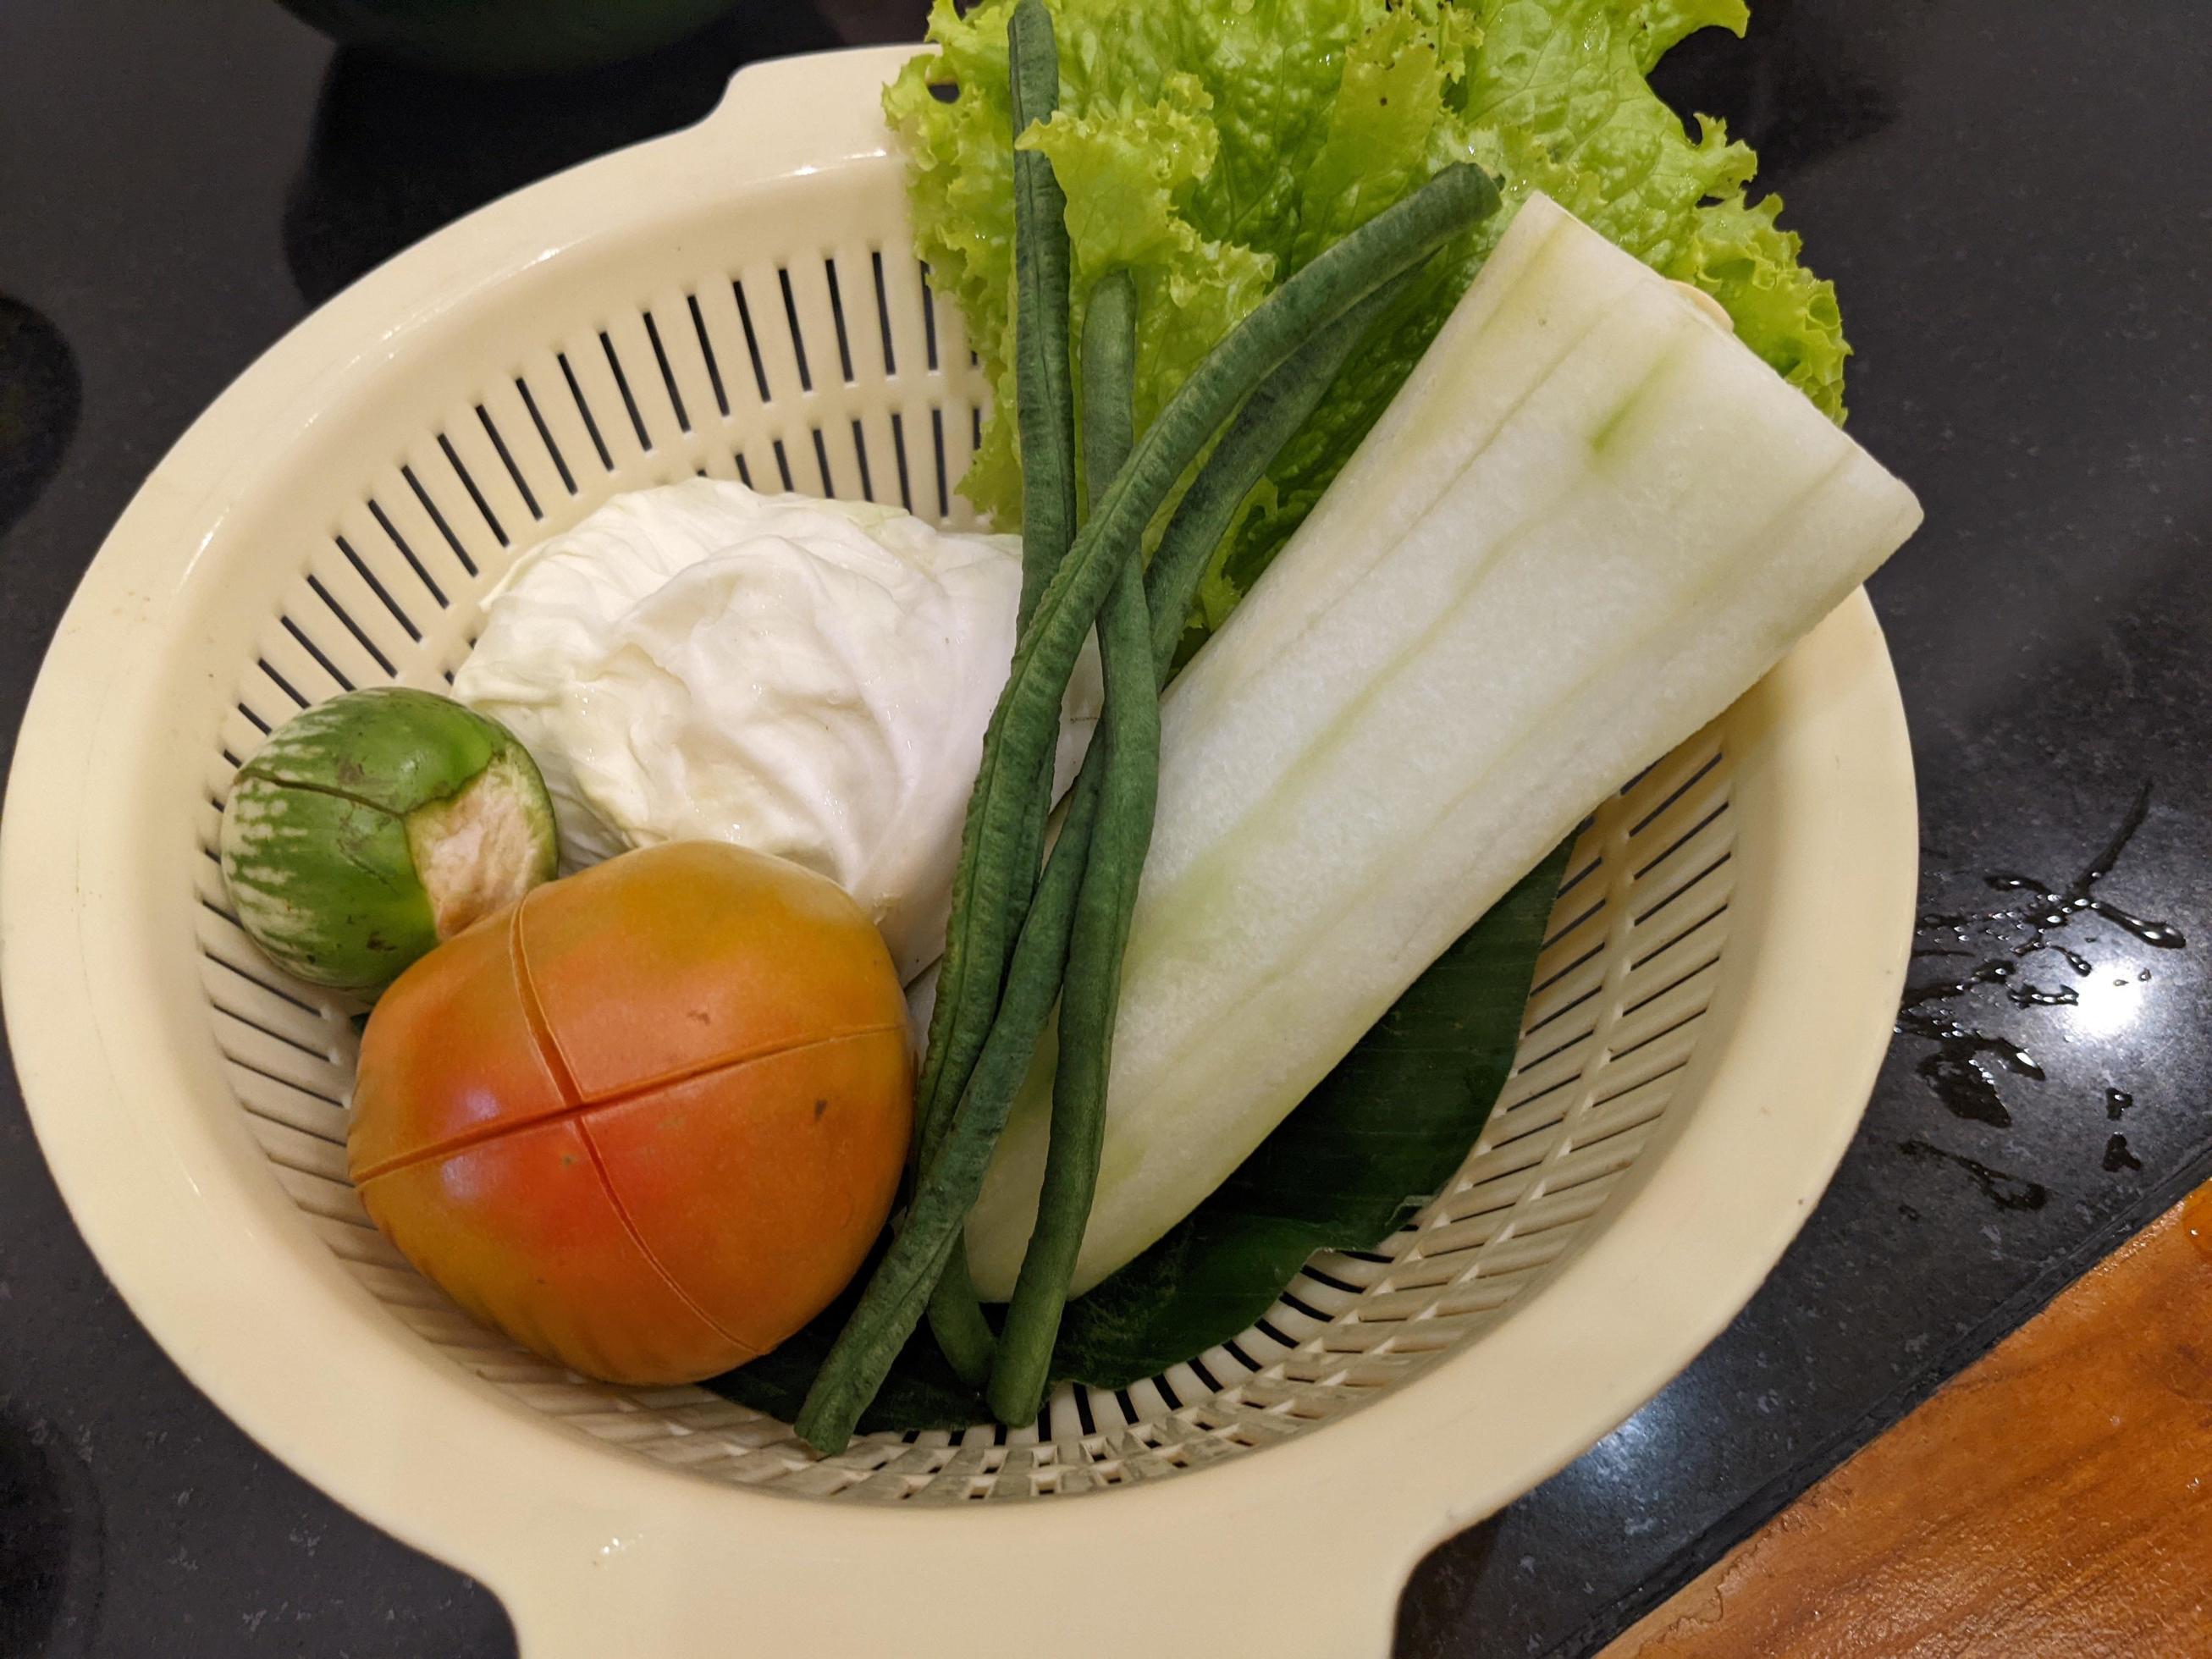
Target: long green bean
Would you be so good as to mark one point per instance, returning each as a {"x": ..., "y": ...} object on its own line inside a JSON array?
[
  {"x": 988, "y": 901},
  {"x": 977, "y": 953},
  {"x": 1024, "y": 727},
  {"x": 1108, "y": 431},
  {"x": 920, "y": 1255},
  {"x": 1108, "y": 426},
  {"x": 1130, "y": 732},
  {"x": 1045, "y": 406}
]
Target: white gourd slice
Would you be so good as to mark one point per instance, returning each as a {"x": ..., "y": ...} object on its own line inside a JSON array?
[{"x": 1590, "y": 520}]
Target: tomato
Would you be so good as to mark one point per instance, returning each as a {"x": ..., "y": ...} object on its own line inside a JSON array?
[{"x": 647, "y": 1120}]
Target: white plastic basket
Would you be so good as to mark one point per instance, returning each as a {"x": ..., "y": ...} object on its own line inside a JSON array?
[{"x": 743, "y": 299}]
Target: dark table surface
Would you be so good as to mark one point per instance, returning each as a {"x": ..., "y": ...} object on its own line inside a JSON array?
[{"x": 2016, "y": 202}]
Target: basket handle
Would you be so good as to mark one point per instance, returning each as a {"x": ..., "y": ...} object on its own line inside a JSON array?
[
  {"x": 807, "y": 112},
  {"x": 1193, "y": 1589}
]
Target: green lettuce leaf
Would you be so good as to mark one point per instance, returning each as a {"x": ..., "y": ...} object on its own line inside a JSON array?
[{"x": 1212, "y": 147}]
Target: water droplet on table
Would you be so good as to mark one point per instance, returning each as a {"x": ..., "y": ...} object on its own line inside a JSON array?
[
  {"x": 1965, "y": 1064},
  {"x": 2007, "y": 1192}
]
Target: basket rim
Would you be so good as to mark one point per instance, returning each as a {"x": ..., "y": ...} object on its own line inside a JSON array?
[{"x": 593, "y": 1552}]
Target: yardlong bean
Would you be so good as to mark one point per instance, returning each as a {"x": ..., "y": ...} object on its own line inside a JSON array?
[
  {"x": 988, "y": 899},
  {"x": 1025, "y": 724},
  {"x": 1130, "y": 733}
]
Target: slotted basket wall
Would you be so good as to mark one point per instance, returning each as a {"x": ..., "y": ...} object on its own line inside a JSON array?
[{"x": 742, "y": 301}]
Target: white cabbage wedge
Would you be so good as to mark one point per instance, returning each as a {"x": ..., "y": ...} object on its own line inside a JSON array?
[{"x": 1590, "y": 520}]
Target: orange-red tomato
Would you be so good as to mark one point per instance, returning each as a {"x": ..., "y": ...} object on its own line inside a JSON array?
[{"x": 648, "y": 1120}]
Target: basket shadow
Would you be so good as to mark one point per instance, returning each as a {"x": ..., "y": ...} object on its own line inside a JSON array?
[{"x": 40, "y": 395}]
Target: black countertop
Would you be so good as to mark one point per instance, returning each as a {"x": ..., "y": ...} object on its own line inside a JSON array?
[{"x": 2016, "y": 202}]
